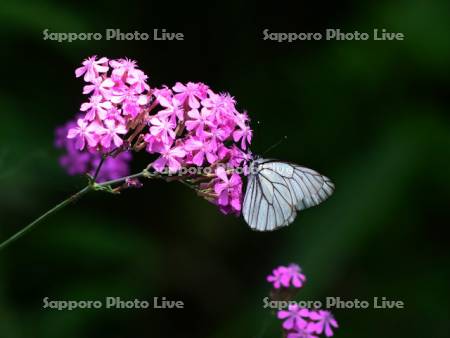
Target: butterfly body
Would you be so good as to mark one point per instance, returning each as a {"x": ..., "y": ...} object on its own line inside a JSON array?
[{"x": 276, "y": 190}]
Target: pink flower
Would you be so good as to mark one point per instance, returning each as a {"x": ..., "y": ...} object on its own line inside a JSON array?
[
  {"x": 296, "y": 277},
  {"x": 294, "y": 317},
  {"x": 138, "y": 80},
  {"x": 110, "y": 133},
  {"x": 324, "y": 321},
  {"x": 199, "y": 121},
  {"x": 238, "y": 157},
  {"x": 123, "y": 94},
  {"x": 96, "y": 107},
  {"x": 91, "y": 68},
  {"x": 129, "y": 98},
  {"x": 122, "y": 67},
  {"x": 99, "y": 87},
  {"x": 190, "y": 93},
  {"x": 172, "y": 108},
  {"x": 170, "y": 157},
  {"x": 187, "y": 124},
  {"x": 163, "y": 128},
  {"x": 228, "y": 189},
  {"x": 83, "y": 133},
  {"x": 199, "y": 150},
  {"x": 284, "y": 276},
  {"x": 222, "y": 106},
  {"x": 164, "y": 92},
  {"x": 244, "y": 133},
  {"x": 301, "y": 333}
]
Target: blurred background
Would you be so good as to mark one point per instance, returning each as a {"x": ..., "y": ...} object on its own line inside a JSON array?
[{"x": 371, "y": 115}]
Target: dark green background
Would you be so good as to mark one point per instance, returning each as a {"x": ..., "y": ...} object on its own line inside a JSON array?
[{"x": 371, "y": 115}]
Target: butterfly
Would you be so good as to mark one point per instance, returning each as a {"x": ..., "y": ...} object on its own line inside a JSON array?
[{"x": 276, "y": 190}]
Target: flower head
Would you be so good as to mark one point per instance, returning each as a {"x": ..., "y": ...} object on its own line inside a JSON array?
[
  {"x": 323, "y": 321},
  {"x": 92, "y": 67},
  {"x": 170, "y": 157},
  {"x": 190, "y": 93},
  {"x": 294, "y": 318},
  {"x": 286, "y": 276},
  {"x": 83, "y": 133},
  {"x": 185, "y": 126},
  {"x": 228, "y": 189}
]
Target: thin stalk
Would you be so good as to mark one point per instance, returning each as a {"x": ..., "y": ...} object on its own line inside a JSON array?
[
  {"x": 97, "y": 171},
  {"x": 71, "y": 199},
  {"x": 57, "y": 207}
]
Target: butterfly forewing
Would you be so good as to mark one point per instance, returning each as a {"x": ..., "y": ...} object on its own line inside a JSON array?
[{"x": 276, "y": 190}]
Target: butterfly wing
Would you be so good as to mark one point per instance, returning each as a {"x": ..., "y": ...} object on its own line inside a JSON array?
[
  {"x": 276, "y": 190},
  {"x": 268, "y": 203}
]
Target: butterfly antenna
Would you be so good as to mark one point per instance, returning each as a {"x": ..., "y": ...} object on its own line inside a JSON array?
[{"x": 276, "y": 144}]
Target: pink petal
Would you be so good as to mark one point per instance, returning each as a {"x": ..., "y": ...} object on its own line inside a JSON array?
[
  {"x": 72, "y": 133},
  {"x": 179, "y": 87},
  {"x": 178, "y": 152},
  {"x": 106, "y": 140},
  {"x": 79, "y": 144},
  {"x": 91, "y": 140},
  {"x": 174, "y": 165},
  {"x": 282, "y": 314},
  {"x": 194, "y": 113},
  {"x": 198, "y": 158},
  {"x": 220, "y": 172},
  {"x": 80, "y": 71},
  {"x": 193, "y": 102},
  {"x": 160, "y": 164},
  {"x": 117, "y": 140}
]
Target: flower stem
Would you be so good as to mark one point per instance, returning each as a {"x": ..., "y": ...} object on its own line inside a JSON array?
[
  {"x": 97, "y": 171},
  {"x": 90, "y": 187},
  {"x": 57, "y": 207}
]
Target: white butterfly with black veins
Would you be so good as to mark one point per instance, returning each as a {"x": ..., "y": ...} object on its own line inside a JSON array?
[{"x": 277, "y": 190}]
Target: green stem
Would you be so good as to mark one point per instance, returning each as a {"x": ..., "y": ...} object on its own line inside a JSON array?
[
  {"x": 71, "y": 199},
  {"x": 30, "y": 226}
]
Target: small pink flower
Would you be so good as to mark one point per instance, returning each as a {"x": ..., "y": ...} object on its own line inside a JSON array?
[
  {"x": 199, "y": 150},
  {"x": 170, "y": 157},
  {"x": 83, "y": 133},
  {"x": 129, "y": 98},
  {"x": 190, "y": 93},
  {"x": 287, "y": 276},
  {"x": 296, "y": 277},
  {"x": 244, "y": 133},
  {"x": 91, "y": 68},
  {"x": 228, "y": 189},
  {"x": 138, "y": 80},
  {"x": 163, "y": 128},
  {"x": 199, "y": 121},
  {"x": 99, "y": 87},
  {"x": 164, "y": 92},
  {"x": 324, "y": 321},
  {"x": 294, "y": 317},
  {"x": 110, "y": 133},
  {"x": 96, "y": 107},
  {"x": 222, "y": 106},
  {"x": 122, "y": 67},
  {"x": 172, "y": 108},
  {"x": 301, "y": 333}
]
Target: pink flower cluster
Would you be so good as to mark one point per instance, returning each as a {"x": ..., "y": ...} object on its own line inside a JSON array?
[
  {"x": 299, "y": 322},
  {"x": 185, "y": 126},
  {"x": 286, "y": 276},
  {"x": 118, "y": 93},
  {"x": 304, "y": 323},
  {"x": 78, "y": 162}
]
